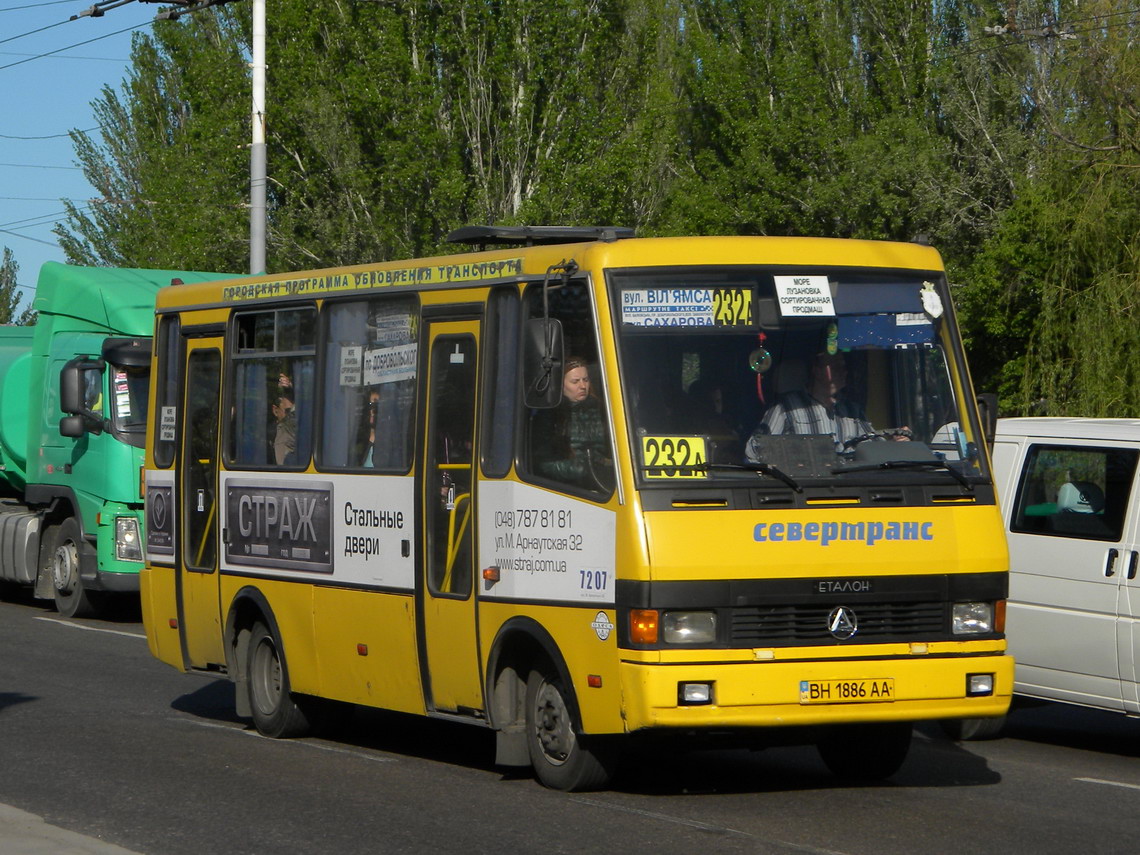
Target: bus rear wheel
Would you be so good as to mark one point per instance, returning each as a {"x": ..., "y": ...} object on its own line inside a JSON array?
[
  {"x": 71, "y": 598},
  {"x": 274, "y": 709},
  {"x": 866, "y": 752},
  {"x": 562, "y": 758}
]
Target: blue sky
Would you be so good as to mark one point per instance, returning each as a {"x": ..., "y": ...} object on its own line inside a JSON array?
[{"x": 43, "y": 98}]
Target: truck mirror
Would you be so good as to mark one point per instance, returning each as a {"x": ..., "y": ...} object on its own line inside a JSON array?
[
  {"x": 72, "y": 426},
  {"x": 71, "y": 389},
  {"x": 542, "y": 363},
  {"x": 72, "y": 400}
]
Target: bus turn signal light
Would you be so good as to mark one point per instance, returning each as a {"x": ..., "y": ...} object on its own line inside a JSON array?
[{"x": 643, "y": 626}]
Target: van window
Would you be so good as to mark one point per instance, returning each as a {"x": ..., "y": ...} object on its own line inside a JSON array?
[{"x": 1075, "y": 491}]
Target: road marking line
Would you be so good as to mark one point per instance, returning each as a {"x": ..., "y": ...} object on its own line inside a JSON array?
[
  {"x": 704, "y": 826},
  {"x": 1109, "y": 783},
  {"x": 91, "y": 628},
  {"x": 246, "y": 732}
]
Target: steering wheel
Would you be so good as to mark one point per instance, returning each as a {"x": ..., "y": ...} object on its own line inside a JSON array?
[
  {"x": 888, "y": 433},
  {"x": 601, "y": 471},
  {"x": 855, "y": 440}
]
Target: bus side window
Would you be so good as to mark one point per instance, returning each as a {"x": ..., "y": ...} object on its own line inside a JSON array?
[
  {"x": 272, "y": 389},
  {"x": 369, "y": 373},
  {"x": 570, "y": 444},
  {"x": 500, "y": 402}
]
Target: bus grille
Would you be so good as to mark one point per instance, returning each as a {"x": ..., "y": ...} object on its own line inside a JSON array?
[{"x": 878, "y": 622}]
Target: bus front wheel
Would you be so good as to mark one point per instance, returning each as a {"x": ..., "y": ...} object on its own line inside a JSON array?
[
  {"x": 561, "y": 757},
  {"x": 275, "y": 712},
  {"x": 973, "y": 729},
  {"x": 866, "y": 752}
]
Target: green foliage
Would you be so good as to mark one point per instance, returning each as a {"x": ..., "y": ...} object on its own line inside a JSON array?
[
  {"x": 171, "y": 169},
  {"x": 9, "y": 293},
  {"x": 389, "y": 124}
]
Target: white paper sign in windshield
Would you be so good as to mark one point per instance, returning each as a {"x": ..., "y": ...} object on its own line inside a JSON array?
[
  {"x": 804, "y": 296},
  {"x": 351, "y": 365}
]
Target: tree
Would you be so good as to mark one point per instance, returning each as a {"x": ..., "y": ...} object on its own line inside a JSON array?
[
  {"x": 1057, "y": 279},
  {"x": 9, "y": 291},
  {"x": 172, "y": 166}
]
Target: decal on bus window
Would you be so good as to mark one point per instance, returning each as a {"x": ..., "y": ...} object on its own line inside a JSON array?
[
  {"x": 672, "y": 457},
  {"x": 687, "y": 307}
]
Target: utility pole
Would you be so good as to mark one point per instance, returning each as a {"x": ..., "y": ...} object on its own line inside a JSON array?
[
  {"x": 257, "y": 147},
  {"x": 257, "y": 171}
]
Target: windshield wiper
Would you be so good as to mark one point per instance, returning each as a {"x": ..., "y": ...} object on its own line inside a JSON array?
[
  {"x": 934, "y": 463},
  {"x": 763, "y": 468}
]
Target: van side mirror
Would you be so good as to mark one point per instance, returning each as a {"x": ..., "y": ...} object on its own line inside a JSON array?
[
  {"x": 542, "y": 363},
  {"x": 988, "y": 409}
]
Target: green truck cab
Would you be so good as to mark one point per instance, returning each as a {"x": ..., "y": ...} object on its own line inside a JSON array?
[{"x": 73, "y": 405}]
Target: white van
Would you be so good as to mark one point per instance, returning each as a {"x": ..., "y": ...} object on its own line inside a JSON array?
[{"x": 1071, "y": 504}]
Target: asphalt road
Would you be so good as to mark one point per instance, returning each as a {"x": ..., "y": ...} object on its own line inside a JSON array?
[{"x": 100, "y": 740}]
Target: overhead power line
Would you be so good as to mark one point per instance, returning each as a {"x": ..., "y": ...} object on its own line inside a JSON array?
[
  {"x": 49, "y": 136},
  {"x": 34, "y": 5},
  {"x": 77, "y": 44},
  {"x": 37, "y": 166}
]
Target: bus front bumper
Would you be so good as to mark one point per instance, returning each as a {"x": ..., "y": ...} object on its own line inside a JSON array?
[{"x": 804, "y": 692}]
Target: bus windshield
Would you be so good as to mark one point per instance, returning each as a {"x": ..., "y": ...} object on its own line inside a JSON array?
[{"x": 805, "y": 375}]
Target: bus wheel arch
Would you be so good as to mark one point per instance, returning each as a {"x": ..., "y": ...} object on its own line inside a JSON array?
[
  {"x": 535, "y": 713},
  {"x": 247, "y": 608},
  {"x": 255, "y": 657}
]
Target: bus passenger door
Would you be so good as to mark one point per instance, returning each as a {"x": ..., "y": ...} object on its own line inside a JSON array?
[
  {"x": 450, "y": 660},
  {"x": 198, "y": 590}
]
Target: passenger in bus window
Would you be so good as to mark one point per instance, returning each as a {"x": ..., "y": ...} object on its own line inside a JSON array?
[
  {"x": 570, "y": 440},
  {"x": 373, "y": 404},
  {"x": 285, "y": 428},
  {"x": 815, "y": 408}
]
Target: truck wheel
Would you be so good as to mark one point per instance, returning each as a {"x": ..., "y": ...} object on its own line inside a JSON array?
[
  {"x": 561, "y": 757},
  {"x": 71, "y": 599},
  {"x": 866, "y": 752},
  {"x": 275, "y": 712}
]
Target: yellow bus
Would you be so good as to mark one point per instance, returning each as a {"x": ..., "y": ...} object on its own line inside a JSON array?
[{"x": 576, "y": 485}]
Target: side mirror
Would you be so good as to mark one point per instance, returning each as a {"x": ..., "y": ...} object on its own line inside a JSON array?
[
  {"x": 72, "y": 426},
  {"x": 542, "y": 363},
  {"x": 71, "y": 388},
  {"x": 988, "y": 409},
  {"x": 79, "y": 419}
]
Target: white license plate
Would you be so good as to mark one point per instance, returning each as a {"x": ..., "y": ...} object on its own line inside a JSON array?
[{"x": 879, "y": 690}]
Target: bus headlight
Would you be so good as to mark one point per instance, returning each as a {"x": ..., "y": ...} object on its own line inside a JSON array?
[
  {"x": 972, "y": 618},
  {"x": 689, "y": 627},
  {"x": 128, "y": 546}
]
